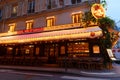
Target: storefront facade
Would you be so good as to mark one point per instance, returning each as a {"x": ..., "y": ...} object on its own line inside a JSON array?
[{"x": 38, "y": 34}]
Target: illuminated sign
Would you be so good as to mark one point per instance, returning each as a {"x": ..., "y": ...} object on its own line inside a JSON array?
[
  {"x": 30, "y": 30},
  {"x": 98, "y": 11}
]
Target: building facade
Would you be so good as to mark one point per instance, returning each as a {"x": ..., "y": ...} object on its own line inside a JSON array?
[{"x": 37, "y": 32}]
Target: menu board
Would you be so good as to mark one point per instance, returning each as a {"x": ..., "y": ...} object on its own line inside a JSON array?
[{"x": 111, "y": 54}]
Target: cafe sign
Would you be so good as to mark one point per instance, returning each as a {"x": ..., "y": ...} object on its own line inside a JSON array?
[{"x": 98, "y": 11}]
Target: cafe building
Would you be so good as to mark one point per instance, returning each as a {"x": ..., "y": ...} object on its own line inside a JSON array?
[{"x": 39, "y": 32}]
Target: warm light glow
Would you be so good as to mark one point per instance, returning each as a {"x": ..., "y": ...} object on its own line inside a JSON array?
[
  {"x": 54, "y": 35},
  {"x": 29, "y": 24},
  {"x": 50, "y": 21},
  {"x": 98, "y": 11},
  {"x": 11, "y": 27}
]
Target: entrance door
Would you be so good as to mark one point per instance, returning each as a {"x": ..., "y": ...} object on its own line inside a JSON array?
[{"x": 52, "y": 51}]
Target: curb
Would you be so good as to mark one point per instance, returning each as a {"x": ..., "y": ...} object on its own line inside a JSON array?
[{"x": 63, "y": 70}]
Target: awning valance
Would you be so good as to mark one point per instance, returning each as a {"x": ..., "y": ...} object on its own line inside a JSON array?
[{"x": 90, "y": 32}]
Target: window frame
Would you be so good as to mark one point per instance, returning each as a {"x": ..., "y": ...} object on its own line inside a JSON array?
[
  {"x": 77, "y": 17},
  {"x": 50, "y": 21},
  {"x": 29, "y": 24},
  {"x": 31, "y": 6},
  {"x": 12, "y": 27},
  {"x": 14, "y": 10},
  {"x": 76, "y": 1},
  {"x": 51, "y": 4}
]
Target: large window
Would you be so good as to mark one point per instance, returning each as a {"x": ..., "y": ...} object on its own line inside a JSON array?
[
  {"x": 14, "y": 10},
  {"x": 75, "y": 1},
  {"x": 78, "y": 48},
  {"x": 11, "y": 27},
  {"x": 29, "y": 24},
  {"x": 50, "y": 21},
  {"x": 31, "y": 6},
  {"x": 77, "y": 17},
  {"x": 51, "y": 4}
]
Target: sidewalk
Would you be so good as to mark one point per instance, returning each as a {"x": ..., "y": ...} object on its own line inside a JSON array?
[{"x": 115, "y": 72}]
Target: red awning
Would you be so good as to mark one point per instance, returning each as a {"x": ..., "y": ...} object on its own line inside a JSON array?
[{"x": 54, "y": 35}]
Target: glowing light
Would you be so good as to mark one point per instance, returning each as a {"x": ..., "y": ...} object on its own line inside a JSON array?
[{"x": 98, "y": 11}]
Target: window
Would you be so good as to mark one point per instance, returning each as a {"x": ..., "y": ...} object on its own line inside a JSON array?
[
  {"x": 31, "y": 6},
  {"x": 77, "y": 17},
  {"x": 11, "y": 27},
  {"x": 51, "y": 4},
  {"x": 61, "y": 2},
  {"x": 9, "y": 50},
  {"x": 96, "y": 49},
  {"x": 29, "y": 24},
  {"x": 62, "y": 49},
  {"x": 0, "y": 14},
  {"x": 14, "y": 10},
  {"x": 75, "y": 1},
  {"x": 78, "y": 48},
  {"x": 50, "y": 21}
]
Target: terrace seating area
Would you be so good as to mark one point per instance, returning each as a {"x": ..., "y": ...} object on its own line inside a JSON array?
[{"x": 82, "y": 63}]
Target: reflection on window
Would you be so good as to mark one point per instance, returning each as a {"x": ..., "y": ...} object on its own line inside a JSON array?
[
  {"x": 37, "y": 50},
  {"x": 9, "y": 50},
  {"x": 80, "y": 48},
  {"x": 77, "y": 18},
  {"x": 14, "y": 10},
  {"x": 96, "y": 49},
  {"x": 51, "y": 4},
  {"x": 29, "y": 24},
  {"x": 62, "y": 49},
  {"x": 11, "y": 27},
  {"x": 75, "y": 1},
  {"x": 31, "y": 6},
  {"x": 27, "y": 51},
  {"x": 61, "y": 2},
  {"x": 50, "y": 21}
]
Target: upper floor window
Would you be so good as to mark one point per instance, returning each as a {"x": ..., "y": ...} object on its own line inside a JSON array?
[
  {"x": 77, "y": 17},
  {"x": 11, "y": 27},
  {"x": 75, "y": 1},
  {"x": 31, "y": 6},
  {"x": 0, "y": 14},
  {"x": 29, "y": 24},
  {"x": 51, "y": 4},
  {"x": 61, "y": 2},
  {"x": 14, "y": 10},
  {"x": 50, "y": 21}
]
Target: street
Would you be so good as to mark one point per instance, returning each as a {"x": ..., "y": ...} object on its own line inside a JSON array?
[{"x": 7, "y": 74}]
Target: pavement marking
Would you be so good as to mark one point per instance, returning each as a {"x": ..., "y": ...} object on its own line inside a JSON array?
[
  {"x": 33, "y": 74},
  {"x": 24, "y": 73},
  {"x": 103, "y": 73},
  {"x": 6, "y": 70},
  {"x": 81, "y": 78}
]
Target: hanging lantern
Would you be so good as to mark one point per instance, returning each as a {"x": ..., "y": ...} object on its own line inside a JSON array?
[{"x": 92, "y": 34}]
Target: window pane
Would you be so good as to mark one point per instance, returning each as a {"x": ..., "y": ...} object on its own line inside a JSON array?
[
  {"x": 11, "y": 27},
  {"x": 78, "y": 1},
  {"x": 61, "y": 2},
  {"x": 76, "y": 18},
  {"x": 78, "y": 48},
  {"x": 31, "y": 6},
  {"x": 50, "y": 22},
  {"x": 73, "y": 1},
  {"x": 96, "y": 49}
]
